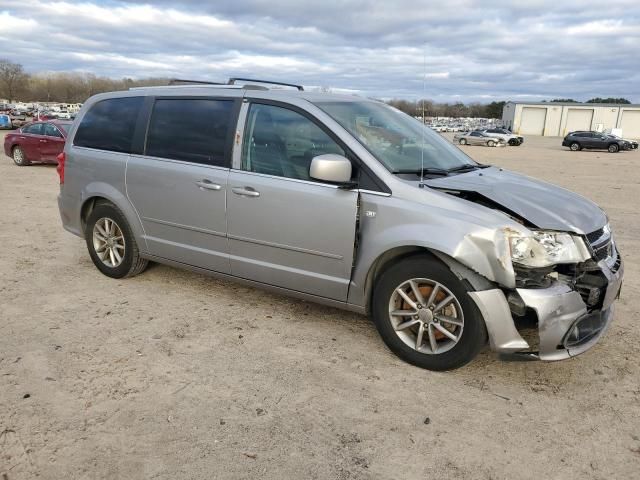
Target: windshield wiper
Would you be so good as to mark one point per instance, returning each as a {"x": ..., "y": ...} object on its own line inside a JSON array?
[
  {"x": 467, "y": 168},
  {"x": 423, "y": 171}
]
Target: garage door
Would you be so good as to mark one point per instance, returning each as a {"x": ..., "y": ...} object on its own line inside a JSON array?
[
  {"x": 578, "y": 119},
  {"x": 630, "y": 123},
  {"x": 532, "y": 121}
]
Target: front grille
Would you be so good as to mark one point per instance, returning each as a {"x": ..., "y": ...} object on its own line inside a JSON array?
[
  {"x": 595, "y": 236},
  {"x": 602, "y": 251},
  {"x": 616, "y": 266},
  {"x": 600, "y": 242}
]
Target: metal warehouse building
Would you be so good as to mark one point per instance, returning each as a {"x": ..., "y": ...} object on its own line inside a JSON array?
[{"x": 558, "y": 119}]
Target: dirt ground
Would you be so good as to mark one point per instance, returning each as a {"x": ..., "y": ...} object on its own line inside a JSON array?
[{"x": 174, "y": 375}]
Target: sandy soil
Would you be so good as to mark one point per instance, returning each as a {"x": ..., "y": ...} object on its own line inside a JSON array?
[{"x": 175, "y": 375}]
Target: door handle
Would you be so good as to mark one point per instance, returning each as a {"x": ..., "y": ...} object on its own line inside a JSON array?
[
  {"x": 43, "y": 141},
  {"x": 245, "y": 191},
  {"x": 208, "y": 185}
]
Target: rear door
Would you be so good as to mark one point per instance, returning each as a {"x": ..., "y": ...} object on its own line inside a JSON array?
[
  {"x": 591, "y": 140},
  {"x": 285, "y": 228},
  {"x": 179, "y": 185},
  {"x": 52, "y": 144}
]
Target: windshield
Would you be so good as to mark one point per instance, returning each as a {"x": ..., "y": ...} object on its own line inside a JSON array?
[{"x": 397, "y": 140}]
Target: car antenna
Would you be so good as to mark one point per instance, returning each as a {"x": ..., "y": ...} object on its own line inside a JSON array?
[{"x": 424, "y": 125}]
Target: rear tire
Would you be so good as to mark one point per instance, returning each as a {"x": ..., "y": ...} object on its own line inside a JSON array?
[
  {"x": 614, "y": 148},
  {"x": 491, "y": 143},
  {"x": 113, "y": 249},
  {"x": 575, "y": 147},
  {"x": 19, "y": 157},
  {"x": 427, "y": 274}
]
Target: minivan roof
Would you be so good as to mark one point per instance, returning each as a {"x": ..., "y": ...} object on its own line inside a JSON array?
[{"x": 249, "y": 88}]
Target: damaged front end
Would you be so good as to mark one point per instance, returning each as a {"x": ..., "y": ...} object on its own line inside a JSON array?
[{"x": 556, "y": 311}]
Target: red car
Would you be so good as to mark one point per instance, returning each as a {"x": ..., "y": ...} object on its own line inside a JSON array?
[{"x": 37, "y": 142}]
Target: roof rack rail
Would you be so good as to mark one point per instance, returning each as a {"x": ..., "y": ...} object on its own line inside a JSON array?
[
  {"x": 232, "y": 81},
  {"x": 180, "y": 81}
]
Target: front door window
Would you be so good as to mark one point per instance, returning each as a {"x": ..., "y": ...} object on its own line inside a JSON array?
[{"x": 281, "y": 142}]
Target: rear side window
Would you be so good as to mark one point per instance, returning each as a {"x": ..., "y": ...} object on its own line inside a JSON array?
[
  {"x": 109, "y": 125},
  {"x": 51, "y": 131},
  {"x": 193, "y": 130},
  {"x": 35, "y": 129}
]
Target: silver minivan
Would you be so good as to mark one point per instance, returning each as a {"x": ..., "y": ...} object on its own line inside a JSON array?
[{"x": 347, "y": 202}]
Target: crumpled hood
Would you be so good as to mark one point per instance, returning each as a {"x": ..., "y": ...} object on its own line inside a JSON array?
[{"x": 544, "y": 205}]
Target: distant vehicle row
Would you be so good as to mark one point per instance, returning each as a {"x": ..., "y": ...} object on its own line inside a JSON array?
[{"x": 17, "y": 117}]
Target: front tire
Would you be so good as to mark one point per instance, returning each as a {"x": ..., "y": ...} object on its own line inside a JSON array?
[
  {"x": 425, "y": 316},
  {"x": 491, "y": 143},
  {"x": 111, "y": 244},
  {"x": 19, "y": 157},
  {"x": 575, "y": 147},
  {"x": 463, "y": 141},
  {"x": 614, "y": 148}
]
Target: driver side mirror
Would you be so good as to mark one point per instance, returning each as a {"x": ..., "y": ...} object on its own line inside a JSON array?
[{"x": 331, "y": 168}]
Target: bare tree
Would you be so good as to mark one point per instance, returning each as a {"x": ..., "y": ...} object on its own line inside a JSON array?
[{"x": 12, "y": 79}]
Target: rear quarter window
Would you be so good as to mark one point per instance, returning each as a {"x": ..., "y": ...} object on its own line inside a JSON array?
[{"x": 109, "y": 125}]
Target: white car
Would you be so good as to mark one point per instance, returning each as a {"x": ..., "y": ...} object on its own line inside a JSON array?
[{"x": 510, "y": 138}]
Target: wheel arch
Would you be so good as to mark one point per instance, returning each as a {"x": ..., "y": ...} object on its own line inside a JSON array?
[
  {"x": 99, "y": 193},
  {"x": 472, "y": 279}
]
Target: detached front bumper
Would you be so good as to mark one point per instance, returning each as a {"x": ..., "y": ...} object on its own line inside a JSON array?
[{"x": 566, "y": 327}]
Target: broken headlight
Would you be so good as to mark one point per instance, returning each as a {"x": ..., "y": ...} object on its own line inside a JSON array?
[{"x": 543, "y": 249}]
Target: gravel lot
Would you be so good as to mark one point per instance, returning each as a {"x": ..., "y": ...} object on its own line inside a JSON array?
[{"x": 176, "y": 375}]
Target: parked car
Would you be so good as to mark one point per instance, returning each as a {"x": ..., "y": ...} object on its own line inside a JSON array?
[
  {"x": 343, "y": 201},
  {"x": 63, "y": 115},
  {"x": 5, "y": 122},
  {"x": 510, "y": 138},
  {"x": 595, "y": 141},
  {"x": 39, "y": 142},
  {"x": 18, "y": 120},
  {"x": 478, "y": 138}
]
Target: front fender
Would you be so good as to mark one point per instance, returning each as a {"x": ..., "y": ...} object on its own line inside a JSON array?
[{"x": 475, "y": 242}]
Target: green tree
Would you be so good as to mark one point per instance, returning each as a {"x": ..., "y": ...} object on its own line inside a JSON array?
[
  {"x": 13, "y": 79},
  {"x": 563, "y": 100},
  {"x": 608, "y": 100},
  {"x": 494, "y": 110}
]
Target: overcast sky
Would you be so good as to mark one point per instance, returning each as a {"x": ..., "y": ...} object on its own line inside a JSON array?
[{"x": 474, "y": 51}]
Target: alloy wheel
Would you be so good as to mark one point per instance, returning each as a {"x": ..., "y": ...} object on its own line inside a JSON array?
[
  {"x": 18, "y": 156},
  {"x": 426, "y": 316},
  {"x": 108, "y": 242}
]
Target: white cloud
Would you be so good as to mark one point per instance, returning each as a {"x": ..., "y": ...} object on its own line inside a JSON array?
[{"x": 474, "y": 50}]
